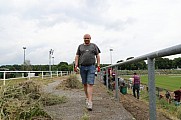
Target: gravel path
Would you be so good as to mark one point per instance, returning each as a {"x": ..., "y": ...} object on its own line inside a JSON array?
[{"x": 104, "y": 105}]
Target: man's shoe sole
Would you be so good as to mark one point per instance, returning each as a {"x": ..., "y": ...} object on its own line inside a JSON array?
[{"x": 89, "y": 109}]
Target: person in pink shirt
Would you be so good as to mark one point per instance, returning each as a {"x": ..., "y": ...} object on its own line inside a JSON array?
[{"x": 136, "y": 85}]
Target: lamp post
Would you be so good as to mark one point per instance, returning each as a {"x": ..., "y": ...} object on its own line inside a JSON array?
[
  {"x": 111, "y": 54},
  {"x": 53, "y": 60},
  {"x": 50, "y": 56},
  {"x": 24, "y": 48},
  {"x": 53, "y": 63}
]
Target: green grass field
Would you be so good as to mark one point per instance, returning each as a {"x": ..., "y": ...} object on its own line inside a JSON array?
[{"x": 169, "y": 82}]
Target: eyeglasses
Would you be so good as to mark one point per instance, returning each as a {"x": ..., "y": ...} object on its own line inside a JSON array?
[{"x": 86, "y": 38}]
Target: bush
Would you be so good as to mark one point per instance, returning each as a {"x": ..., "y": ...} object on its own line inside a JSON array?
[{"x": 71, "y": 82}]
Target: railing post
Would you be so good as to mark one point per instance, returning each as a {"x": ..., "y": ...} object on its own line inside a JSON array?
[
  {"x": 51, "y": 74},
  {"x": 22, "y": 75},
  {"x": 107, "y": 78},
  {"x": 99, "y": 74},
  {"x": 42, "y": 74},
  {"x": 29, "y": 75},
  {"x": 151, "y": 89},
  {"x": 116, "y": 83},
  {"x": 4, "y": 78},
  {"x": 60, "y": 73}
]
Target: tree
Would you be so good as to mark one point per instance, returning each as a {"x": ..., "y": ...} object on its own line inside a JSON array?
[
  {"x": 120, "y": 61},
  {"x": 177, "y": 62},
  {"x": 63, "y": 66},
  {"x": 129, "y": 58},
  {"x": 62, "y": 63},
  {"x": 163, "y": 63},
  {"x": 133, "y": 66}
]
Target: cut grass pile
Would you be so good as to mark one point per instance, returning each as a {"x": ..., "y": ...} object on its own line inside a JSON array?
[
  {"x": 71, "y": 82},
  {"x": 25, "y": 101}
]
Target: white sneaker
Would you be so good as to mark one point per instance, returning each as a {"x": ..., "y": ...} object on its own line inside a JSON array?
[
  {"x": 86, "y": 101},
  {"x": 89, "y": 106}
]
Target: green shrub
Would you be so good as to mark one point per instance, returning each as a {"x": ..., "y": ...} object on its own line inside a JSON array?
[
  {"x": 167, "y": 106},
  {"x": 179, "y": 112}
]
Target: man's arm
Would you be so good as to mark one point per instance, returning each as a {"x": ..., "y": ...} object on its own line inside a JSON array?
[
  {"x": 98, "y": 59},
  {"x": 76, "y": 60},
  {"x": 98, "y": 63},
  {"x": 76, "y": 63}
]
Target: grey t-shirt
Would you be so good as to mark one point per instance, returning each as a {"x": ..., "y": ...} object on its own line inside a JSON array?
[{"x": 87, "y": 54}]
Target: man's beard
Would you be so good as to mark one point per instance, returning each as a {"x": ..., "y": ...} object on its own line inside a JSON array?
[{"x": 86, "y": 42}]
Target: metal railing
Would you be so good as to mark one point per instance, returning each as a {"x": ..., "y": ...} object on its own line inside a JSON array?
[
  {"x": 7, "y": 75},
  {"x": 151, "y": 74}
]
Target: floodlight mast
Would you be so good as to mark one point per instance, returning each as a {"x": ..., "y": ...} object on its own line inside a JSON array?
[
  {"x": 50, "y": 57},
  {"x": 24, "y": 48}
]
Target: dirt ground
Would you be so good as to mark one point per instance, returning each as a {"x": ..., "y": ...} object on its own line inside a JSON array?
[
  {"x": 138, "y": 108},
  {"x": 105, "y": 107}
]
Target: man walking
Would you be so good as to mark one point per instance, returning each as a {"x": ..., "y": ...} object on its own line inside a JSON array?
[
  {"x": 86, "y": 56},
  {"x": 136, "y": 85}
]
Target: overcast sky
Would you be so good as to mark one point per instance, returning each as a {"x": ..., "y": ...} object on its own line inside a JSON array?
[{"x": 130, "y": 27}]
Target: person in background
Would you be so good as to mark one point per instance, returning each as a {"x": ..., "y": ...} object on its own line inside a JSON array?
[
  {"x": 136, "y": 85},
  {"x": 177, "y": 95},
  {"x": 168, "y": 96},
  {"x": 86, "y": 56},
  {"x": 109, "y": 77},
  {"x": 104, "y": 77},
  {"x": 113, "y": 74}
]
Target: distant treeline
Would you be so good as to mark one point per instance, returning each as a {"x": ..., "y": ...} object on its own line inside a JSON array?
[
  {"x": 145, "y": 72},
  {"x": 62, "y": 66},
  {"x": 160, "y": 63}
]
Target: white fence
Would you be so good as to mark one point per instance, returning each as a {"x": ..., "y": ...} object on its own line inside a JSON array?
[{"x": 10, "y": 75}]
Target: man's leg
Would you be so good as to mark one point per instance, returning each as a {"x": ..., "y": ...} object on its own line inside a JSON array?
[
  {"x": 85, "y": 90},
  {"x": 90, "y": 91},
  {"x": 134, "y": 92},
  {"x": 90, "y": 83},
  {"x": 86, "y": 94},
  {"x": 83, "y": 74},
  {"x": 138, "y": 93}
]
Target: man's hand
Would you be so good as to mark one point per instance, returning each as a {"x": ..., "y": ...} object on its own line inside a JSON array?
[
  {"x": 98, "y": 68},
  {"x": 76, "y": 69}
]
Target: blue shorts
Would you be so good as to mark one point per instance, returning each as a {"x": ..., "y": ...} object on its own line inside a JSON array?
[{"x": 87, "y": 74}]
